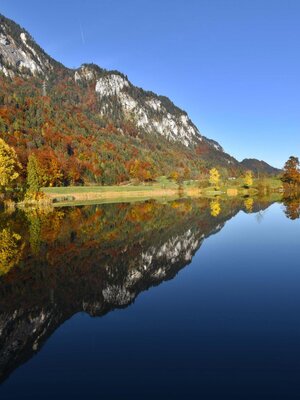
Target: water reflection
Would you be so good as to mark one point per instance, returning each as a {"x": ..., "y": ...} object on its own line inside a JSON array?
[
  {"x": 215, "y": 207},
  {"x": 11, "y": 250},
  {"x": 55, "y": 263},
  {"x": 292, "y": 206},
  {"x": 248, "y": 203}
]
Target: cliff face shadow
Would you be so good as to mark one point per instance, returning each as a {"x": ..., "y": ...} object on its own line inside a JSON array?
[{"x": 55, "y": 263}]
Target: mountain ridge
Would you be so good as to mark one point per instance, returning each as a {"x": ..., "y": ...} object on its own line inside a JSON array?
[
  {"x": 260, "y": 166},
  {"x": 153, "y": 122}
]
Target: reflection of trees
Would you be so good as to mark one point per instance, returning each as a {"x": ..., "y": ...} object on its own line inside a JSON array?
[
  {"x": 94, "y": 259},
  {"x": 215, "y": 207},
  {"x": 44, "y": 224},
  {"x": 292, "y": 206},
  {"x": 260, "y": 216},
  {"x": 10, "y": 250},
  {"x": 248, "y": 203},
  {"x": 35, "y": 233}
]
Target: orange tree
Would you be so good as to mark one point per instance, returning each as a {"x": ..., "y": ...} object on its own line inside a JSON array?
[{"x": 291, "y": 172}]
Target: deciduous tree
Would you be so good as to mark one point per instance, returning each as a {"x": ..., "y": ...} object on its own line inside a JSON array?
[
  {"x": 248, "y": 179},
  {"x": 291, "y": 172},
  {"x": 9, "y": 166},
  {"x": 214, "y": 178}
]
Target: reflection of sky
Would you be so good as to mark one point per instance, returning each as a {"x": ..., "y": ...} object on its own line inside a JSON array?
[{"x": 228, "y": 323}]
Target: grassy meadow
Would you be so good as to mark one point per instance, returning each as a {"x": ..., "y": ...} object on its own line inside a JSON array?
[{"x": 160, "y": 189}]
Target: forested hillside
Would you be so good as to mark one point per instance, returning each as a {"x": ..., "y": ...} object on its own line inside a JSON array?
[{"x": 91, "y": 125}]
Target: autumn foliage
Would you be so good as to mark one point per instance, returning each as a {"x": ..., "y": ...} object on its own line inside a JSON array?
[
  {"x": 291, "y": 173},
  {"x": 74, "y": 144}
]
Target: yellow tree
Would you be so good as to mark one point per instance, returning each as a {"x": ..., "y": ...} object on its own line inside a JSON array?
[
  {"x": 9, "y": 165},
  {"x": 214, "y": 178},
  {"x": 174, "y": 175},
  {"x": 248, "y": 179}
]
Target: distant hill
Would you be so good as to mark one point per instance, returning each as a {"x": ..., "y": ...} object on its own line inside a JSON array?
[{"x": 259, "y": 167}]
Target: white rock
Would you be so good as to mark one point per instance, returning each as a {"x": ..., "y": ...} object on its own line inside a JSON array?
[
  {"x": 110, "y": 85},
  {"x": 155, "y": 104}
]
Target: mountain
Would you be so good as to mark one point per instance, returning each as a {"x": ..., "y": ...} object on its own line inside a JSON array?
[
  {"x": 259, "y": 167},
  {"x": 19, "y": 53},
  {"x": 151, "y": 113},
  {"x": 92, "y": 125}
]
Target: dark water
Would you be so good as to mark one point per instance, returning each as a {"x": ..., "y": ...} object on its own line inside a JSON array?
[{"x": 183, "y": 300}]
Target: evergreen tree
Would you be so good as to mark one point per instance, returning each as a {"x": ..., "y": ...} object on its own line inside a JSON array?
[{"x": 33, "y": 177}]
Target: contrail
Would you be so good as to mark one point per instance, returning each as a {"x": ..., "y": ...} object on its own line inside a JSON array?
[{"x": 81, "y": 31}]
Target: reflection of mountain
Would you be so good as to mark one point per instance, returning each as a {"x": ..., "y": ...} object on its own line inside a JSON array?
[{"x": 93, "y": 260}]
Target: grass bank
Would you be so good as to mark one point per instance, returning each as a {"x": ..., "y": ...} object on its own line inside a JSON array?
[{"x": 161, "y": 189}]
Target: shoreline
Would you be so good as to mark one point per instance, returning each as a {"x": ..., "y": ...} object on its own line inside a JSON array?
[{"x": 64, "y": 196}]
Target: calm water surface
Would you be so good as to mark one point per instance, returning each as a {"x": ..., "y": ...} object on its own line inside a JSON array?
[{"x": 182, "y": 300}]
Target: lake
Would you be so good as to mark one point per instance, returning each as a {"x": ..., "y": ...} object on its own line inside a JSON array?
[{"x": 173, "y": 300}]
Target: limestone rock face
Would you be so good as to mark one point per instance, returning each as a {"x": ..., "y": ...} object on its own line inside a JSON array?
[
  {"x": 149, "y": 112},
  {"x": 19, "y": 54},
  {"x": 119, "y": 101}
]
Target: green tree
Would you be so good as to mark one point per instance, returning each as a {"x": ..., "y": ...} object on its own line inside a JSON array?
[
  {"x": 214, "y": 178},
  {"x": 33, "y": 177},
  {"x": 9, "y": 166}
]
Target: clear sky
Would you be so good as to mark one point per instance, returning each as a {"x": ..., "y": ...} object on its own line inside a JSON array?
[{"x": 233, "y": 65}]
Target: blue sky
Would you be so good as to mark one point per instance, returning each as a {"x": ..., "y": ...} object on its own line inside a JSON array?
[{"x": 233, "y": 65}]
